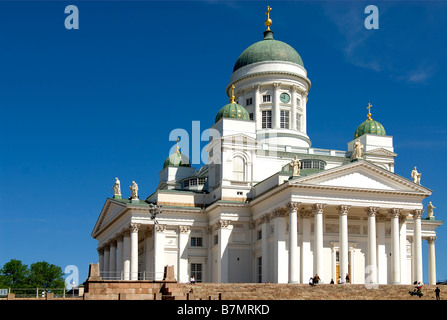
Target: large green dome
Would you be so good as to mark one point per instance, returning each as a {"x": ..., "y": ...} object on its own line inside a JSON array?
[
  {"x": 233, "y": 110},
  {"x": 370, "y": 126},
  {"x": 268, "y": 49},
  {"x": 177, "y": 160}
]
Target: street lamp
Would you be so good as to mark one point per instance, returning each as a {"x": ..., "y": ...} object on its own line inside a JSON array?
[{"x": 155, "y": 210}]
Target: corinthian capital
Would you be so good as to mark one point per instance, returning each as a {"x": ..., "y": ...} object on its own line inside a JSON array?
[
  {"x": 319, "y": 207},
  {"x": 343, "y": 209},
  {"x": 395, "y": 212},
  {"x": 134, "y": 227},
  {"x": 417, "y": 213},
  {"x": 293, "y": 205},
  {"x": 224, "y": 223},
  {"x": 371, "y": 211}
]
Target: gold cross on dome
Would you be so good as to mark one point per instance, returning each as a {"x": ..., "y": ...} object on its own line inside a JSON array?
[
  {"x": 369, "y": 110},
  {"x": 268, "y": 12},
  {"x": 268, "y": 21},
  {"x": 232, "y": 94}
]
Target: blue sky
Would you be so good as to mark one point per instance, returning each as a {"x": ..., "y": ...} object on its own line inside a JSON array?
[{"x": 80, "y": 107}]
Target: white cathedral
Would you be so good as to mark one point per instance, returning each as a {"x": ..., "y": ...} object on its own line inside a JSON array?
[{"x": 269, "y": 207}]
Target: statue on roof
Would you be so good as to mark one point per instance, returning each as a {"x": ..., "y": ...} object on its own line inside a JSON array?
[
  {"x": 430, "y": 208},
  {"x": 296, "y": 164},
  {"x": 416, "y": 176},
  {"x": 116, "y": 188},
  {"x": 134, "y": 191},
  {"x": 358, "y": 150}
]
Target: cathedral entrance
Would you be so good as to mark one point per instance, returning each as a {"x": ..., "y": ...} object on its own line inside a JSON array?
[{"x": 337, "y": 268}]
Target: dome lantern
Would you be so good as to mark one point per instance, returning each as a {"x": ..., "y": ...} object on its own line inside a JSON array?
[{"x": 370, "y": 126}]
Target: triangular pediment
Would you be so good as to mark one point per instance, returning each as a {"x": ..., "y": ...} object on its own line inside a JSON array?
[
  {"x": 362, "y": 175},
  {"x": 109, "y": 212},
  {"x": 381, "y": 152}
]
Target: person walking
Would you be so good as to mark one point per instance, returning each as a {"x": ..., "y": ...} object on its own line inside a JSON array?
[{"x": 437, "y": 291}]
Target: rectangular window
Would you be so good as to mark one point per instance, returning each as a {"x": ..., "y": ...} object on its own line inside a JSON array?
[
  {"x": 260, "y": 269},
  {"x": 196, "y": 271},
  {"x": 298, "y": 102},
  {"x": 259, "y": 234},
  {"x": 251, "y": 116},
  {"x": 249, "y": 101},
  {"x": 196, "y": 242},
  {"x": 216, "y": 239},
  {"x": 266, "y": 98},
  {"x": 298, "y": 121},
  {"x": 266, "y": 119},
  {"x": 284, "y": 119}
]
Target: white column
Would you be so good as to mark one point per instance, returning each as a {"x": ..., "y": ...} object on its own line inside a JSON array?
[
  {"x": 403, "y": 249},
  {"x": 275, "y": 106},
  {"x": 101, "y": 260},
  {"x": 126, "y": 254},
  {"x": 280, "y": 257},
  {"x": 306, "y": 263},
  {"x": 294, "y": 109},
  {"x": 119, "y": 256},
  {"x": 112, "y": 261},
  {"x": 148, "y": 262},
  {"x": 182, "y": 272},
  {"x": 318, "y": 244},
  {"x": 159, "y": 244},
  {"x": 395, "y": 246},
  {"x": 343, "y": 239},
  {"x": 418, "y": 245},
  {"x": 134, "y": 251},
  {"x": 304, "y": 114},
  {"x": 265, "y": 248},
  {"x": 224, "y": 233},
  {"x": 372, "y": 253},
  {"x": 293, "y": 241},
  {"x": 334, "y": 263},
  {"x": 431, "y": 261},
  {"x": 106, "y": 262},
  {"x": 382, "y": 270},
  {"x": 257, "y": 101}
]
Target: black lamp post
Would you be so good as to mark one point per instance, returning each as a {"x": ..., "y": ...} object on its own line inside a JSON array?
[{"x": 155, "y": 210}]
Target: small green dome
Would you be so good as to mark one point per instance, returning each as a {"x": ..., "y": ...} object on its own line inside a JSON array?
[
  {"x": 233, "y": 110},
  {"x": 268, "y": 49},
  {"x": 177, "y": 160},
  {"x": 370, "y": 126}
]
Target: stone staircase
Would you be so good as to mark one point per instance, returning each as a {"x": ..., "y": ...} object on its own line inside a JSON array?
[{"x": 258, "y": 291}]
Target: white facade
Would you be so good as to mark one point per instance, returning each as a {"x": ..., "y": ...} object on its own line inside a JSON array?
[{"x": 244, "y": 218}]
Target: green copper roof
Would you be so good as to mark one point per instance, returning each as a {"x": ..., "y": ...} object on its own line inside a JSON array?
[
  {"x": 268, "y": 49},
  {"x": 233, "y": 110},
  {"x": 177, "y": 160},
  {"x": 370, "y": 126}
]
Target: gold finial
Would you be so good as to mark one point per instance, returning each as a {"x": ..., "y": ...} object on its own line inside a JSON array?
[
  {"x": 178, "y": 148},
  {"x": 268, "y": 21},
  {"x": 369, "y": 111},
  {"x": 232, "y": 94}
]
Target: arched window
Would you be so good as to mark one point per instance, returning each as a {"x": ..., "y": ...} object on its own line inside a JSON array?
[{"x": 238, "y": 169}]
